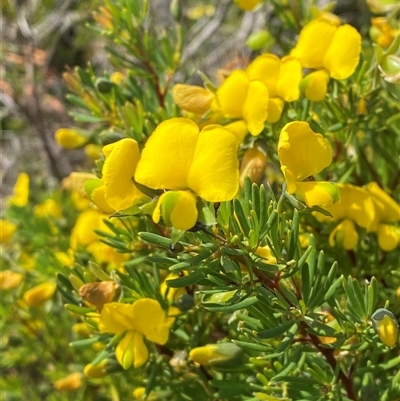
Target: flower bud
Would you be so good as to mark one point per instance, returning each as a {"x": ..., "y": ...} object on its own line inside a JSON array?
[
  {"x": 69, "y": 383},
  {"x": 390, "y": 69},
  {"x": 7, "y": 230},
  {"x": 386, "y": 326},
  {"x": 108, "y": 136},
  {"x": 222, "y": 354},
  {"x": 104, "y": 85},
  {"x": 315, "y": 85},
  {"x": 95, "y": 371},
  {"x": 38, "y": 295},
  {"x": 260, "y": 40},
  {"x": 10, "y": 279},
  {"x": 98, "y": 294},
  {"x": 253, "y": 165},
  {"x": 70, "y": 138}
]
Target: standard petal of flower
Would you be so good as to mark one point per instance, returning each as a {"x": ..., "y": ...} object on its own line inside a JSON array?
[
  {"x": 214, "y": 173},
  {"x": 151, "y": 320},
  {"x": 317, "y": 193},
  {"x": 266, "y": 68},
  {"x": 255, "y": 110},
  {"x": 313, "y": 43},
  {"x": 184, "y": 214},
  {"x": 387, "y": 237},
  {"x": 124, "y": 352},
  {"x": 387, "y": 209},
  {"x": 191, "y": 98},
  {"x": 303, "y": 151},
  {"x": 168, "y": 154},
  {"x": 118, "y": 170},
  {"x": 275, "y": 109},
  {"x": 315, "y": 85},
  {"x": 232, "y": 94},
  {"x": 141, "y": 353},
  {"x": 343, "y": 54},
  {"x": 116, "y": 318},
  {"x": 98, "y": 197},
  {"x": 290, "y": 75}
]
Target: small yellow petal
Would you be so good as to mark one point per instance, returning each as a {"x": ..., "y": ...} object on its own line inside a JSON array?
[
  {"x": 151, "y": 320},
  {"x": 388, "y": 238},
  {"x": 315, "y": 85},
  {"x": 20, "y": 193},
  {"x": 193, "y": 99},
  {"x": 141, "y": 353},
  {"x": 247, "y": 5},
  {"x": 317, "y": 193},
  {"x": 10, "y": 279},
  {"x": 214, "y": 173},
  {"x": 69, "y": 383},
  {"x": 116, "y": 318},
  {"x": 118, "y": 171},
  {"x": 266, "y": 68},
  {"x": 275, "y": 109},
  {"x": 239, "y": 129},
  {"x": 255, "y": 110},
  {"x": 343, "y": 54},
  {"x": 314, "y": 41},
  {"x": 290, "y": 75},
  {"x": 168, "y": 154},
  {"x": 7, "y": 230},
  {"x": 124, "y": 352},
  {"x": 345, "y": 234}
]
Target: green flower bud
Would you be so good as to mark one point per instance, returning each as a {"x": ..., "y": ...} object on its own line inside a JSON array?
[
  {"x": 260, "y": 40},
  {"x": 104, "y": 85},
  {"x": 386, "y": 326},
  {"x": 222, "y": 354}
]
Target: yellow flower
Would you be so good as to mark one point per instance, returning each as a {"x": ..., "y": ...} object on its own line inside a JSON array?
[
  {"x": 265, "y": 253},
  {"x": 95, "y": 371},
  {"x": 239, "y": 97},
  {"x": 83, "y": 231},
  {"x": 70, "y": 138},
  {"x": 386, "y": 326},
  {"x": 143, "y": 318},
  {"x": 69, "y": 383},
  {"x": 315, "y": 85},
  {"x": 247, "y": 5},
  {"x": 38, "y": 295},
  {"x": 49, "y": 208},
  {"x": 282, "y": 78},
  {"x": 217, "y": 354},
  {"x": 192, "y": 98},
  {"x": 179, "y": 158},
  {"x": 7, "y": 230},
  {"x": 20, "y": 194},
  {"x": 118, "y": 170},
  {"x": 104, "y": 253},
  {"x": 172, "y": 294},
  {"x": 92, "y": 151},
  {"x": 381, "y": 31},
  {"x": 10, "y": 279},
  {"x": 335, "y": 48},
  {"x": 302, "y": 154}
]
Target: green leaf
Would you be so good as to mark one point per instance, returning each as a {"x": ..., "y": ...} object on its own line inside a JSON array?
[
  {"x": 232, "y": 307},
  {"x": 277, "y": 331}
]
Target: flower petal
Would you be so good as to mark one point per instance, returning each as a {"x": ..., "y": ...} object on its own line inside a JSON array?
[
  {"x": 168, "y": 154},
  {"x": 116, "y": 318},
  {"x": 302, "y": 151},
  {"x": 343, "y": 54},
  {"x": 141, "y": 353},
  {"x": 177, "y": 208},
  {"x": 239, "y": 129},
  {"x": 193, "y": 99},
  {"x": 232, "y": 94},
  {"x": 290, "y": 74},
  {"x": 345, "y": 234},
  {"x": 388, "y": 238},
  {"x": 313, "y": 43},
  {"x": 151, "y": 320},
  {"x": 315, "y": 85},
  {"x": 255, "y": 110},
  {"x": 214, "y": 173},
  {"x": 125, "y": 350},
  {"x": 317, "y": 193},
  {"x": 118, "y": 170},
  {"x": 266, "y": 68},
  {"x": 275, "y": 109},
  {"x": 20, "y": 194}
]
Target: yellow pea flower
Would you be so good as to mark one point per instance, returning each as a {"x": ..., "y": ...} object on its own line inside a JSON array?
[
  {"x": 83, "y": 231},
  {"x": 217, "y": 354},
  {"x": 7, "y": 230},
  {"x": 70, "y": 138},
  {"x": 281, "y": 77},
  {"x": 38, "y": 295},
  {"x": 265, "y": 253},
  {"x": 192, "y": 98},
  {"x": 69, "y": 383},
  {"x": 20, "y": 194},
  {"x": 10, "y": 279},
  {"x": 324, "y": 45},
  {"x": 302, "y": 154},
  {"x": 386, "y": 326},
  {"x": 143, "y": 318},
  {"x": 190, "y": 163},
  {"x": 315, "y": 85},
  {"x": 95, "y": 371}
]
